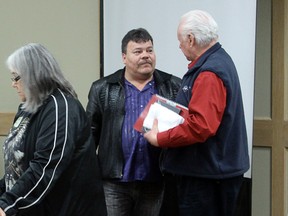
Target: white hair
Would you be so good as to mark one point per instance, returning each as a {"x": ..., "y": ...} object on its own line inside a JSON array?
[
  {"x": 201, "y": 25},
  {"x": 40, "y": 74}
]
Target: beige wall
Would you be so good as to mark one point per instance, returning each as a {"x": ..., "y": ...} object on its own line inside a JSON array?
[{"x": 69, "y": 29}]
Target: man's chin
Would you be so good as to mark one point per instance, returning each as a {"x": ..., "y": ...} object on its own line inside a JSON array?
[
  {"x": 147, "y": 68},
  {"x": 148, "y": 71}
]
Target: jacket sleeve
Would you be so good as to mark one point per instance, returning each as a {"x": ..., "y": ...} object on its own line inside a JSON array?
[
  {"x": 2, "y": 186},
  {"x": 55, "y": 136},
  {"x": 206, "y": 109},
  {"x": 93, "y": 111}
]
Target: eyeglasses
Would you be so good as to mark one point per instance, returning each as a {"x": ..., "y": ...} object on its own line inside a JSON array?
[{"x": 15, "y": 79}]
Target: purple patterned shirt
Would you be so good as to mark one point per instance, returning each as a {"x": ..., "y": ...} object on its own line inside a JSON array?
[{"x": 141, "y": 158}]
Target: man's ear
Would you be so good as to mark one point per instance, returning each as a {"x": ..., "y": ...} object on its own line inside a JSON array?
[
  {"x": 191, "y": 39},
  {"x": 124, "y": 58}
]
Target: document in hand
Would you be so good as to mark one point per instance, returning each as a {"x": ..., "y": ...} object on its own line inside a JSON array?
[{"x": 168, "y": 113}]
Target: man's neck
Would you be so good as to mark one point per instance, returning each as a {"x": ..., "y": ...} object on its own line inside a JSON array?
[{"x": 139, "y": 82}]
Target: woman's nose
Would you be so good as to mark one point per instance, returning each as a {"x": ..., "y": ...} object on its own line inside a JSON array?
[{"x": 14, "y": 84}]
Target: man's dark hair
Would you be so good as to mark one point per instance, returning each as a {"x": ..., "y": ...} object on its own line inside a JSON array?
[{"x": 136, "y": 35}]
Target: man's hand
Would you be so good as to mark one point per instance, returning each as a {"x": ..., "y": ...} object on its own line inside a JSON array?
[{"x": 151, "y": 135}]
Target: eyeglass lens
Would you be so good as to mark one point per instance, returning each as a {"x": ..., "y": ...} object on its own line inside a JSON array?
[{"x": 15, "y": 79}]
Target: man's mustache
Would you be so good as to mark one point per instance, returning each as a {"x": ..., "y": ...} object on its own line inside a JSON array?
[{"x": 145, "y": 62}]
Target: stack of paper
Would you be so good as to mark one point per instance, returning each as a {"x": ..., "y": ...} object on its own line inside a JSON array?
[
  {"x": 166, "y": 118},
  {"x": 168, "y": 113}
]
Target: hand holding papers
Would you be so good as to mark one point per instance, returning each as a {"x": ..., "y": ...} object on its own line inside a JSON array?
[
  {"x": 168, "y": 113},
  {"x": 166, "y": 118}
]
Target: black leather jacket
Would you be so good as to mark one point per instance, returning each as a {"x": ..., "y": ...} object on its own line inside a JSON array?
[{"x": 106, "y": 111}]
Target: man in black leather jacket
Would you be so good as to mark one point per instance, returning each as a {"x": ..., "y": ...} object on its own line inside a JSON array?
[{"x": 128, "y": 163}]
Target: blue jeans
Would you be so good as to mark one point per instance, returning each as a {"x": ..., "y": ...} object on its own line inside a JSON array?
[
  {"x": 208, "y": 197},
  {"x": 133, "y": 198}
]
